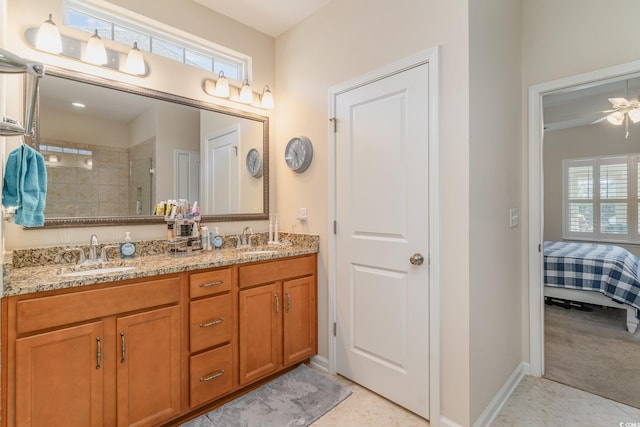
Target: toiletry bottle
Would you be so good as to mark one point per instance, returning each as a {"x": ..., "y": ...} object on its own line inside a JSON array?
[
  {"x": 217, "y": 239},
  {"x": 204, "y": 237},
  {"x": 128, "y": 248}
]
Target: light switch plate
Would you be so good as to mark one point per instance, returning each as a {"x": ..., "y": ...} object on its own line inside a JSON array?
[{"x": 514, "y": 217}]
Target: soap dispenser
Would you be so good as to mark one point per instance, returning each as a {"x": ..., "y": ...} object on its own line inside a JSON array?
[{"x": 128, "y": 248}]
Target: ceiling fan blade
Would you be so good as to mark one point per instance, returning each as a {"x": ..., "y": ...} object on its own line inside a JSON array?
[
  {"x": 619, "y": 102},
  {"x": 601, "y": 119}
]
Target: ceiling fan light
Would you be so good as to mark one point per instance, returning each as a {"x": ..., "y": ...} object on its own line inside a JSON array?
[
  {"x": 634, "y": 115},
  {"x": 615, "y": 118}
]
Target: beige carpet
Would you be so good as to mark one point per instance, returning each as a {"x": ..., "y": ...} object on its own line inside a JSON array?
[{"x": 592, "y": 351}]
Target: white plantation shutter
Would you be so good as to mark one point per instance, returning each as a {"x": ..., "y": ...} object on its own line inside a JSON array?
[
  {"x": 579, "y": 203},
  {"x": 601, "y": 199}
]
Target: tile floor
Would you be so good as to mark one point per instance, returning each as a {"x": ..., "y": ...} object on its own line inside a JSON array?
[{"x": 536, "y": 402}]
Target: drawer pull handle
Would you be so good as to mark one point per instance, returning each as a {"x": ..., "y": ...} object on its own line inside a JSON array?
[
  {"x": 212, "y": 323},
  {"x": 206, "y": 285},
  {"x": 99, "y": 353},
  {"x": 124, "y": 347},
  {"x": 288, "y": 302},
  {"x": 213, "y": 376},
  {"x": 277, "y": 303}
]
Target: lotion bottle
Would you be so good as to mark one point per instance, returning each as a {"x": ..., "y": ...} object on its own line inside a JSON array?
[
  {"x": 128, "y": 248},
  {"x": 217, "y": 239}
]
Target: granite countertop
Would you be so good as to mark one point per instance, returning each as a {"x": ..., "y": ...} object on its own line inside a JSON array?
[{"x": 40, "y": 278}]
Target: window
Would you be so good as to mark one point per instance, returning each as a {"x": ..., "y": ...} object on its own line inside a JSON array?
[
  {"x": 88, "y": 18},
  {"x": 601, "y": 199}
]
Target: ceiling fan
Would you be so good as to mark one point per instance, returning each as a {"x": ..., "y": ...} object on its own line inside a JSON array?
[{"x": 622, "y": 111}]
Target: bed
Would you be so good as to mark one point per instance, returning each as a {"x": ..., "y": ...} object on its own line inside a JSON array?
[{"x": 594, "y": 274}]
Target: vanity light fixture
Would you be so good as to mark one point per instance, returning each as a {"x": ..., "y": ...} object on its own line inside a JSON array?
[
  {"x": 267, "y": 98},
  {"x": 222, "y": 86},
  {"x": 95, "y": 52},
  {"x": 48, "y": 38},
  {"x": 135, "y": 61},
  {"x": 209, "y": 87},
  {"x": 246, "y": 95}
]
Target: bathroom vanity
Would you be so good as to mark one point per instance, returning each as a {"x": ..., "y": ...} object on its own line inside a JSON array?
[{"x": 157, "y": 344}]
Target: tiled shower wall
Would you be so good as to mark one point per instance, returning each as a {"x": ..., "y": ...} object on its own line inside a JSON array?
[{"x": 79, "y": 188}]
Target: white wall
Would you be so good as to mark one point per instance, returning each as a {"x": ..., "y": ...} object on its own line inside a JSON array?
[
  {"x": 602, "y": 139},
  {"x": 495, "y": 187},
  {"x": 348, "y": 38},
  {"x": 165, "y": 75},
  {"x": 561, "y": 39}
]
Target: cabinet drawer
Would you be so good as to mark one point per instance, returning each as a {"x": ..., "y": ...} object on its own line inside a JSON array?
[
  {"x": 49, "y": 312},
  {"x": 210, "y": 375},
  {"x": 210, "y": 282},
  {"x": 210, "y": 322},
  {"x": 267, "y": 272}
]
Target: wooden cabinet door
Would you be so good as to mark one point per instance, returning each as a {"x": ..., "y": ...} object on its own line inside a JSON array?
[
  {"x": 148, "y": 367},
  {"x": 59, "y": 377},
  {"x": 300, "y": 320},
  {"x": 260, "y": 318}
]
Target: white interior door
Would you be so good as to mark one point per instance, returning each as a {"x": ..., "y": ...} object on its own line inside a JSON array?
[
  {"x": 221, "y": 177},
  {"x": 187, "y": 175},
  {"x": 382, "y": 201}
]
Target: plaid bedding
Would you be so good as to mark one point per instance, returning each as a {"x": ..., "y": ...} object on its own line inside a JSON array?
[{"x": 610, "y": 270}]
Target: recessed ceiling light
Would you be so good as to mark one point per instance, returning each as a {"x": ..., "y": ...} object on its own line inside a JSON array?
[{"x": 78, "y": 104}]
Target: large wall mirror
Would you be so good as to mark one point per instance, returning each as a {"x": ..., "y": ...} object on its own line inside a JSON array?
[{"x": 113, "y": 151}]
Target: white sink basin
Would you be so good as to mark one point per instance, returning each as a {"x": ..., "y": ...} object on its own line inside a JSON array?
[
  {"x": 258, "y": 252},
  {"x": 98, "y": 271}
]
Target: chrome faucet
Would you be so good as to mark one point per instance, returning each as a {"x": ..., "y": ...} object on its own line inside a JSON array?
[
  {"x": 247, "y": 234},
  {"x": 93, "y": 247}
]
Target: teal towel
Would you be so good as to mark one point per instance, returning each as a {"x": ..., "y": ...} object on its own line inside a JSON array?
[{"x": 25, "y": 186}]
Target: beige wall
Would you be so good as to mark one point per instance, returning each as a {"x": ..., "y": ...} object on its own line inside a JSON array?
[
  {"x": 602, "y": 139},
  {"x": 561, "y": 39},
  {"x": 164, "y": 75},
  {"x": 348, "y": 38},
  {"x": 495, "y": 187}
]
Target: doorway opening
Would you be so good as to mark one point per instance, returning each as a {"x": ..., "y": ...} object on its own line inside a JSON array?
[{"x": 566, "y": 127}]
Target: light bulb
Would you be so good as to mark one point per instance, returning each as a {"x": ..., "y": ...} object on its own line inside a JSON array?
[
  {"x": 616, "y": 118},
  {"x": 48, "y": 38},
  {"x": 634, "y": 115},
  {"x": 267, "y": 98},
  {"x": 95, "y": 52},
  {"x": 135, "y": 61},
  {"x": 245, "y": 93},
  {"x": 222, "y": 86}
]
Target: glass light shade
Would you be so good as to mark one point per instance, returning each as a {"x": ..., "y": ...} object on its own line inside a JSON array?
[
  {"x": 95, "y": 52},
  {"x": 616, "y": 118},
  {"x": 222, "y": 86},
  {"x": 267, "y": 98},
  {"x": 209, "y": 87},
  {"x": 634, "y": 115},
  {"x": 48, "y": 38},
  {"x": 135, "y": 61},
  {"x": 246, "y": 95}
]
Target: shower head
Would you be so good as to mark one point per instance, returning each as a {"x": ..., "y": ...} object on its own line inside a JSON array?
[{"x": 13, "y": 64}]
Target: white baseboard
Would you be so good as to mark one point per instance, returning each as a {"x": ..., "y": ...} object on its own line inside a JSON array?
[
  {"x": 320, "y": 362},
  {"x": 444, "y": 421},
  {"x": 492, "y": 410}
]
